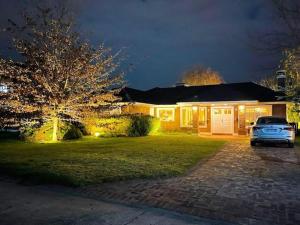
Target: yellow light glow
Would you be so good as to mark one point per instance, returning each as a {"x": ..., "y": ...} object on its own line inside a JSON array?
[
  {"x": 241, "y": 107},
  {"x": 258, "y": 109},
  {"x": 97, "y": 134},
  {"x": 195, "y": 108}
]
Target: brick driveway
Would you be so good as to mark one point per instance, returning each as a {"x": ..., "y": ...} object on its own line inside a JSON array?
[{"x": 240, "y": 184}]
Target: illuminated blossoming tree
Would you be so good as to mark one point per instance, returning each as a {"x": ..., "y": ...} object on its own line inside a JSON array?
[
  {"x": 200, "y": 75},
  {"x": 59, "y": 74}
]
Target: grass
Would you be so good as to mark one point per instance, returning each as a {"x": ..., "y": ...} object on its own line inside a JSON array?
[{"x": 95, "y": 160}]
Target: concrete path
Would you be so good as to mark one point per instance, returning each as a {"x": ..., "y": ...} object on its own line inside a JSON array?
[{"x": 38, "y": 205}]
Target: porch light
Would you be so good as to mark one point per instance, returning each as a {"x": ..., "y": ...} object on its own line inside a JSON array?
[{"x": 195, "y": 108}]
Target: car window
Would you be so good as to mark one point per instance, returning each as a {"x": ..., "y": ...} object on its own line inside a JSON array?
[{"x": 271, "y": 120}]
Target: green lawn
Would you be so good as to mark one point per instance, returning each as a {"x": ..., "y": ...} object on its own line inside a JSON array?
[{"x": 95, "y": 160}]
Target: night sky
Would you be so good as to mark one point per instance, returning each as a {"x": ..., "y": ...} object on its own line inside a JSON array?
[{"x": 163, "y": 38}]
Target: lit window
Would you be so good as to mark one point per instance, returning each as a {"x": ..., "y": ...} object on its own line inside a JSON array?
[
  {"x": 202, "y": 117},
  {"x": 166, "y": 114},
  {"x": 186, "y": 116},
  {"x": 253, "y": 112},
  {"x": 3, "y": 88}
]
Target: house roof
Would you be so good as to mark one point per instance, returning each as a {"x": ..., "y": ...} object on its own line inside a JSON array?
[{"x": 247, "y": 91}]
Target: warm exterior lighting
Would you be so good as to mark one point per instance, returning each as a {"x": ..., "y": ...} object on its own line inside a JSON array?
[
  {"x": 195, "y": 108},
  {"x": 61, "y": 90},
  {"x": 97, "y": 134},
  {"x": 258, "y": 110},
  {"x": 241, "y": 108}
]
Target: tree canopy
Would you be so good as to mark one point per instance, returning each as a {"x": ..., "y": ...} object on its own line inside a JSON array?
[
  {"x": 59, "y": 73},
  {"x": 200, "y": 75}
]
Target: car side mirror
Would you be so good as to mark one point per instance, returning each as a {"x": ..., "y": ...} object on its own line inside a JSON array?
[{"x": 252, "y": 123}]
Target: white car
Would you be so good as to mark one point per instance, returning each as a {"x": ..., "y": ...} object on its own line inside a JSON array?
[{"x": 270, "y": 129}]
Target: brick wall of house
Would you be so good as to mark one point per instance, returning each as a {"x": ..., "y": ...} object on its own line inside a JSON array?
[
  {"x": 236, "y": 119},
  {"x": 279, "y": 110},
  {"x": 239, "y": 118},
  {"x": 170, "y": 125},
  {"x": 136, "y": 109},
  {"x": 206, "y": 129}
]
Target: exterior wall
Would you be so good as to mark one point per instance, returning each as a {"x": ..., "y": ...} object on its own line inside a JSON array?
[
  {"x": 279, "y": 110},
  {"x": 240, "y": 125},
  {"x": 206, "y": 129},
  {"x": 235, "y": 119},
  {"x": 170, "y": 125},
  {"x": 242, "y": 130},
  {"x": 136, "y": 109}
]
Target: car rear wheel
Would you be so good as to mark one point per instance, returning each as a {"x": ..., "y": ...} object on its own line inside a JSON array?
[
  {"x": 291, "y": 145},
  {"x": 252, "y": 143}
]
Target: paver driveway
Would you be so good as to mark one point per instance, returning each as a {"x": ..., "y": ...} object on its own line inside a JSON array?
[{"x": 239, "y": 184}]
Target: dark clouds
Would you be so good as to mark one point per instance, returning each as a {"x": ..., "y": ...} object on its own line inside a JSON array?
[{"x": 163, "y": 38}]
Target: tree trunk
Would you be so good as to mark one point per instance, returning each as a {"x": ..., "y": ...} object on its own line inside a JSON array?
[{"x": 55, "y": 129}]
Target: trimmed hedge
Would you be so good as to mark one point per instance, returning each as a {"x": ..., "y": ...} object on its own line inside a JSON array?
[{"x": 124, "y": 125}]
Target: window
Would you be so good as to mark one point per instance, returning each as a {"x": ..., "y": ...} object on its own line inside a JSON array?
[
  {"x": 202, "y": 121},
  {"x": 186, "y": 117},
  {"x": 253, "y": 112},
  {"x": 166, "y": 114},
  {"x": 227, "y": 111}
]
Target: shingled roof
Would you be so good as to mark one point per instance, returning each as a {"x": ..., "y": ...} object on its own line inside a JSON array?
[{"x": 246, "y": 91}]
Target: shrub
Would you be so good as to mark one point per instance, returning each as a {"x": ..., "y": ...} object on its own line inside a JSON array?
[
  {"x": 6, "y": 135},
  {"x": 108, "y": 126},
  {"x": 140, "y": 125},
  {"x": 72, "y": 133},
  {"x": 43, "y": 133},
  {"x": 124, "y": 125}
]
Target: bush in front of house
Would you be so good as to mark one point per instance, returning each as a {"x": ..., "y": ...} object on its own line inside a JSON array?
[
  {"x": 107, "y": 126},
  {"x": 8, "y": 135},
  {"x": 73, "y": 132},
  {"x": 122, "y": 125},
  {"x": 142, "y": 125},
  {"x": 43, "y": 133}
]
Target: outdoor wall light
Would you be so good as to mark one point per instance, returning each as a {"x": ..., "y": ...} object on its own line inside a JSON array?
[{"x": 195, "y": 108}]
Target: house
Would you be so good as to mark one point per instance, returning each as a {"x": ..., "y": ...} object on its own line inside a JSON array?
[{"x": 213, "y": 109}]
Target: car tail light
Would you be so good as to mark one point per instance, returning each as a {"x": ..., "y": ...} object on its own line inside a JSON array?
[
  {"x": 288, "y": 128},
  {"x": 256, "y": 128}
]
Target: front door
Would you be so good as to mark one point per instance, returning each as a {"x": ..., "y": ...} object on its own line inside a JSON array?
[{"x": 222, "y": 120}]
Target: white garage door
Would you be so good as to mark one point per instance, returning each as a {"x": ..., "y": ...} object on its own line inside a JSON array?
[{"x": 222, "y": 120}]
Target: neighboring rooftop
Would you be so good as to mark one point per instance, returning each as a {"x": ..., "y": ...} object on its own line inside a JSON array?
[{"x": 247, "y": 91}]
